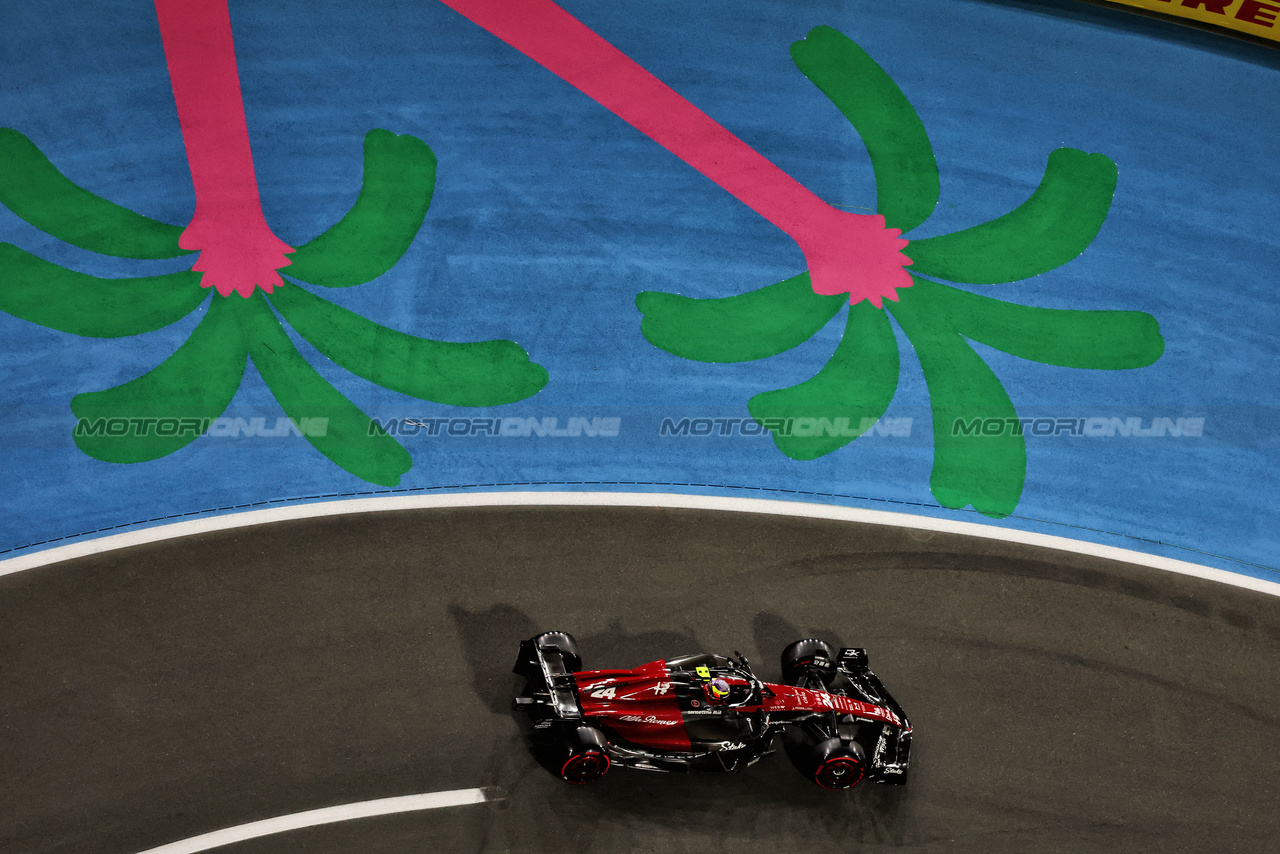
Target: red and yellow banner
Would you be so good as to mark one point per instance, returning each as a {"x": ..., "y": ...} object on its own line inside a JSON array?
[{"x": 1255, "y": 17}]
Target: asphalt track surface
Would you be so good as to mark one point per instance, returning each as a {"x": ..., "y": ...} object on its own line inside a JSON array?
[{"x": 1061, "y": 703}]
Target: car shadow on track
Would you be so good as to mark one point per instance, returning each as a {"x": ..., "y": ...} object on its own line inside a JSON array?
[
  {"x": 490, "y": 639},
  {"x": 773, "y": 633}
]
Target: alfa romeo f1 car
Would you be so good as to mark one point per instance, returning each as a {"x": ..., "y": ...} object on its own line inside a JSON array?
[{"x": 837, "y": 722}]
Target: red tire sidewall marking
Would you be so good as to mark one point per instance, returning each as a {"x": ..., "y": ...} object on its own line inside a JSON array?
[
  {"x": 848, "y": 760},
  {"x": 581, "y": 757}
]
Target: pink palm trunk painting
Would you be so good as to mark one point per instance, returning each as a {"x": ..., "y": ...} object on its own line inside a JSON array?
[
  {"x": 845, "y": 252},
  {"x": 238, "y": 251}
]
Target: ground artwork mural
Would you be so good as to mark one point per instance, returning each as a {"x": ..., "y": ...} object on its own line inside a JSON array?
[
  {"x": 859, "y": 259},
  {"x": 854, "y": 260},
  {"x": 170, "y": 406}
]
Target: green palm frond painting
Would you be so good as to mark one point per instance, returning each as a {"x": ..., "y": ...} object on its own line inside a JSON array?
[
  {"x": 170, "y": 406},
  {"x": 856, "y": 385}
]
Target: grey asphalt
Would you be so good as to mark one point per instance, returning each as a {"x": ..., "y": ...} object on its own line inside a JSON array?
[{"x": 1061, "y": 703}]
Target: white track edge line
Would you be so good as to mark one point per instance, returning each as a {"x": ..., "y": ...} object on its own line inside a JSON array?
[
  {"x": 327, "y": 815},
  {"x": 831, "y": 512}
]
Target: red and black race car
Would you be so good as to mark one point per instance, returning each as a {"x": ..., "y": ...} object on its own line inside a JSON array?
[{"x": 838, "y": 723}]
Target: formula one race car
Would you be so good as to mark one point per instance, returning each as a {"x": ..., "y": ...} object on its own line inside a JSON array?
[{"x": 838, "y": 723}]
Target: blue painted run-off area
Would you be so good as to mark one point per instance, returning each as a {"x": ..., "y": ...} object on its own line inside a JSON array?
[{"x": 550, "y": 215}]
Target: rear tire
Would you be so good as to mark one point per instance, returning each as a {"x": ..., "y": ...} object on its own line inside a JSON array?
[
  {"x": 809, "y": 657},
  {"x": 566, "y": 644},
  {"x": 587, "y": 759}
]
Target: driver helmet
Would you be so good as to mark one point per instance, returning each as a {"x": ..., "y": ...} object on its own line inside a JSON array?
[{"x": 718, "y": 690}]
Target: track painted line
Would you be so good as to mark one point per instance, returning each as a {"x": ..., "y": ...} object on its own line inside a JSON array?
[
  {"x": 328, "y": 815},
  {"x": 764, "y": 506}
]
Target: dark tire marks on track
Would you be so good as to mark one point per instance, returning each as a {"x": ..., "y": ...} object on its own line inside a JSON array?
[{"x": 1062, "y": 703}]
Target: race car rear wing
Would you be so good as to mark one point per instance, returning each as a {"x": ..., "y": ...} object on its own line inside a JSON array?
[{"x": 550, "y": 682}]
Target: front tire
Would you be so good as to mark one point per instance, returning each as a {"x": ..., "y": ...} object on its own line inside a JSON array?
[
  {"x": 812, "y": 658},
  {"x": 837, "y": 764}
]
